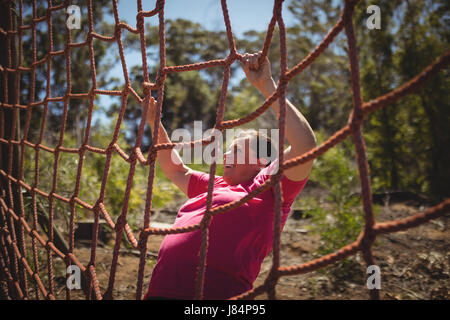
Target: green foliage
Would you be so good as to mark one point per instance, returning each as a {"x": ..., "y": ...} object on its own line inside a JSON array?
[
  {"x": 336, "y": 171},
  {"x": 337, "y": 217},
  {"x": 188, "y": 96},
  {"x": 163, "y": 190},
  {"x": 58, "y": 265},
  {"x": 244, "y": 102},
  {"x": 91, "y": 179},
  {"x": 404, "y": 140},
  {"x": 341, "y": 222},
  {"x": 81, "y": 73},
  {"x": 245, "y": 99}
]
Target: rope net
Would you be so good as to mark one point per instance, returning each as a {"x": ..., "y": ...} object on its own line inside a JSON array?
[{"x": 15, "y": 269}]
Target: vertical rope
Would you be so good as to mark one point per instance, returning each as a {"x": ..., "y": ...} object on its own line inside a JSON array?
[
  {"x": 155, "y": 136},
  {"x": 23, "y": 248},
  {"x": 356, "y": 122},
  {"x": 66, "y": 100},
  {"x": 273, "y": 276},
  {"x": 206, "y": 220},
  {"x": 11, "y": 97}
]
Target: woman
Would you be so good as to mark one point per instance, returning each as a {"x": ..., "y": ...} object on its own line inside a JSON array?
[{"x": 241, "y": 238}]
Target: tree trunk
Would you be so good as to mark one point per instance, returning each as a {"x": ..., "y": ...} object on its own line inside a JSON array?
[{"x": 433, "y": 171}]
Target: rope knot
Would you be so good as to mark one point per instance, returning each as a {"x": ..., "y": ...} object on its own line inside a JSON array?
[
  {"x": 355, "y": 119},
  {"x": 148, "y": 87},
  {"x": 284, "y": 80},
  {"x": 151, "y": 155},
  {"x": 271, "y": 280},
  {"x": 365, "y": 239},
  {"x": 133, "y": 155},
  {"x": 204, "y": 223},
  {"x": 117, "y": 32},
  {"x": 120, "y": 223},
  {"x": 142, "y": 240},
  {"x": 140, "y": 22}
]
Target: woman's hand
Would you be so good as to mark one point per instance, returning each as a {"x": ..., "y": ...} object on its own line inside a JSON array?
[
  {"x": 151, "y": 112},
  {"x": 259, "y": 76}
]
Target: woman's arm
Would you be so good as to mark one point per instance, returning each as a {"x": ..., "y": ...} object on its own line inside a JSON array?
[
  {"x": 298, "y": 131},
  {"x": 169, "y": 160}
]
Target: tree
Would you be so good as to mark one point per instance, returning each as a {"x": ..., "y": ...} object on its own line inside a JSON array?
[
  {"x": 377, "y": 78},
  {"x": 322, "y": 91},
  {"x": 424, "y": 36},
  {"x": 188, "y": 96},
  {"x": 405, "y": 139},
  {"x": 80, "y": 67}
]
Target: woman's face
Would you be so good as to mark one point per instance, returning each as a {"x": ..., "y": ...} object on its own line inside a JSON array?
[{"x": 240, "y": 162}]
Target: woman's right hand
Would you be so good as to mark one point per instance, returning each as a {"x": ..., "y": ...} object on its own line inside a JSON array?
[
  {"x": 151, "y": 112},
  {"x": 260, "y": 76}
]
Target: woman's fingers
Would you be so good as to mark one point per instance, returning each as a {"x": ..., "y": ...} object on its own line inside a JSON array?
[
  {"x": 246, "y": 60},
  {"x": 151, "y": 106},
  {"x": 251, "y": 60},
  {"x": 255, "y": 59}
]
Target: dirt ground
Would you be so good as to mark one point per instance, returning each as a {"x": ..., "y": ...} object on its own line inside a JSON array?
[{"x": 414, "y": 264}]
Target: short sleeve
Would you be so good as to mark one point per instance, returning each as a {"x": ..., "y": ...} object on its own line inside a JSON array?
[
  {"x": 290, "y": 189},
  {"x": 198, "y": 183}
]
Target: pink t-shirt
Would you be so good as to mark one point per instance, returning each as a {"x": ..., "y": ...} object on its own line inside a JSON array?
[{"x": 239, "y": 239}]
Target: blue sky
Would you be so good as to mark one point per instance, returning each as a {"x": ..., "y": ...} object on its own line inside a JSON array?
[{"x": 244, "y": 15}]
